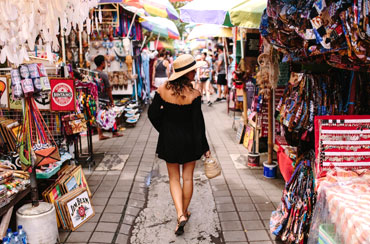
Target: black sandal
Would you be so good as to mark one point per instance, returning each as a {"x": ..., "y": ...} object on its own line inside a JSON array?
[
  {"x": 180, "y": 226},
  {"x": 187, "y": 215}
]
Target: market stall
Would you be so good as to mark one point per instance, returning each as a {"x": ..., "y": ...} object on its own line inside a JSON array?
[{"x": 323, "y": 138}]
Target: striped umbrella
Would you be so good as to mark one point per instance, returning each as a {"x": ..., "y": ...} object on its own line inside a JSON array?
[
  {"x": 161, "y": 26},
  {"x": 160, "y": 8}
]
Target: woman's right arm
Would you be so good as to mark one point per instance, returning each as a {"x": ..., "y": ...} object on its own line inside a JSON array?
[
  {"x": 153, "y": 75},
  {"x": 155, "y": 111}
]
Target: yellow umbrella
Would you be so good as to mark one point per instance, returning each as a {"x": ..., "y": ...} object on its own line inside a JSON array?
[
  {"x": 206, "y": 31},
  {"x": 248, "y": 14}
]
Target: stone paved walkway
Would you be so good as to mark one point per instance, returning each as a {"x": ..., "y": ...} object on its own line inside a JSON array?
[{"x": 133, "y": 204}]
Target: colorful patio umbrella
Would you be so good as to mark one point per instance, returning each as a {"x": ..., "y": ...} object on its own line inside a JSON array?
[
  {"x": 248, "y": 14},
  {"x": 208, "y": 11},
  {"x": 160, "y": 8},
  {"x": 206, "y": 31},
  {"x": 161, "y": 26},
  {"x": 163, "y": 45}
]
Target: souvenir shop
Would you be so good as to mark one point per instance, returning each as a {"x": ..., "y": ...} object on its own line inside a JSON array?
[
  {"x": 50, "y": 106},
  {"x": 321, "y": 50},
  {"x": 250, "y": 93}
]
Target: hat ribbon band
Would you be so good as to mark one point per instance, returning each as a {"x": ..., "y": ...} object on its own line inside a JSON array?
[{"x": 186, "y": 67}]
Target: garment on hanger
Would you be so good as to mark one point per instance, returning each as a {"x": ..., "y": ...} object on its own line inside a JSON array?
[{"x": 145, "y": 58}]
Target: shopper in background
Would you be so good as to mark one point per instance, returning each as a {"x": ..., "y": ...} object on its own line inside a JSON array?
[
  {"x": 211, "y": 73},
  {"x": 231, "y": 70},
  {"x": 196, "y": 84},
  {"x": 104, "y": 93},
  {"x": 204, "y": 78},
  {"x": 177, "y": 115},
  {"x": 221, "y": 75},
  {"x": 161, "y": 69}
]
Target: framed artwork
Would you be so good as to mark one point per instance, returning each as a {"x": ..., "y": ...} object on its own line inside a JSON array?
[{"x": 79, "y": 208}]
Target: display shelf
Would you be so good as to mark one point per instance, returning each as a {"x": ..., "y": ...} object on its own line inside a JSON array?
[
  {"x": 47, "y": 174},
  {"x": 14, "y": 200},
  {"x": 343, "y": 142}
]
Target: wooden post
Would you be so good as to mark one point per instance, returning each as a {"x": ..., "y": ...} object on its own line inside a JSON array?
[
  {"x": 270, "y": 142},
  {"x": 245, "y": 107}
]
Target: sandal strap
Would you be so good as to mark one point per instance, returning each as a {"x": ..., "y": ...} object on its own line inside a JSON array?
[{"x": 178, "y": 219}]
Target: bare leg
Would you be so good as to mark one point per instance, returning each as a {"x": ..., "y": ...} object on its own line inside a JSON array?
[
  {"x": 201, "y": 89},
  {"x": 187, "y": 189},
  {"x": 226, "y": 91},
  {"x": 206, "y": 87},
  {"x": 101, "y": 135},
  {"x": 219, "y": 90},
  {"x": 175, "y": 188}
]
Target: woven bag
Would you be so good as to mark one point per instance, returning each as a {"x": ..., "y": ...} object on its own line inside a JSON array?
[{"x": 212, "y": 168}]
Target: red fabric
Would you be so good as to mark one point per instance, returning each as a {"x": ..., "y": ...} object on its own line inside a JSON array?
[{"x": 285, "y": 164}]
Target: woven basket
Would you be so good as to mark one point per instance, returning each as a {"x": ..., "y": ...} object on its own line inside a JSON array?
[{"x": 212, "y": 168}]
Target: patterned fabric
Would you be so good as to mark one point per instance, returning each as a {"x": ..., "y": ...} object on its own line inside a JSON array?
[{"x": 306, "y": 28}]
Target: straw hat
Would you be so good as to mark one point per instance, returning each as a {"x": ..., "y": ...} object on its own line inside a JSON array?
[{"x": 183, "y": 65}]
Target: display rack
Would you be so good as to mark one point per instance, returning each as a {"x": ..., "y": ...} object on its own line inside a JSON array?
[
  {"x": 78, "y": 142},
  {"x": 342, "y": 141}
]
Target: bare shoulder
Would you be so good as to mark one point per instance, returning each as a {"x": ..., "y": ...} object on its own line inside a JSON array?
[
  {"x": 195, "y": 93},
  {"x": 162, "y": 89}
]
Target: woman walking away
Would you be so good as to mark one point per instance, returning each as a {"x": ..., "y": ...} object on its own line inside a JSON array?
[
  {"x": 161, "y": 69},
  {"x": 176, "y": 114},
  {"x": 204, "y": 74}
]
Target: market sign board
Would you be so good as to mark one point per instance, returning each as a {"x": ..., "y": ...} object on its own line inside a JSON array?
[
  {"x": 62, "y": 94},
  {"x": 3, "y": 92},
  {"x": 80, "y": 209}
]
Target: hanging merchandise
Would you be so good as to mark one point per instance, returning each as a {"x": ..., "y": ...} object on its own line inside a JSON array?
[
  {"x": 45, "y": 83},
  {"x": 338, "y": 30},
  {"x": 23, "y": 21},
  {"x": 37, "y": 143},
  {"x": 35, "y": 76},
  {"x": 74, "y": 124},
  {"x": 27, "y": 84},
  {"x": 310, "y": 95},
  {"x": 291, "y": 221},
  {"x": 16, "y": 84}
]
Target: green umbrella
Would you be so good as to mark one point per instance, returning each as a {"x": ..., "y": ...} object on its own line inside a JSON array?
[{"x": 248, "y": 14}]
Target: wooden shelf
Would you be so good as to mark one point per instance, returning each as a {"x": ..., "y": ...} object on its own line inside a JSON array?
[{"x": 15, "y": 199}]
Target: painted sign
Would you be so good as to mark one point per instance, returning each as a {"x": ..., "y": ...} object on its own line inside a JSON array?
[
  {"x": 62, "y": 95},
  {"x": 3, "y": 92},
  {"x": 80, "y": 209}
]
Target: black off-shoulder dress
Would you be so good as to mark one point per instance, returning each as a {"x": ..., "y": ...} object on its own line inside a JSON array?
[{"x": 182, "y": 135}]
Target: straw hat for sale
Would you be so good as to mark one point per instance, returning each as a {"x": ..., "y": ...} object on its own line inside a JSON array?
[{"x": 184, "y": 64}]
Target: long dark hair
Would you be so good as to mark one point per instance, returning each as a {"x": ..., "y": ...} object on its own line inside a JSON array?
[{"x": 178, "y": 85}]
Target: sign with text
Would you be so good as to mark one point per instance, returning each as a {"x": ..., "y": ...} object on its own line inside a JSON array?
[
  {"x": 62, "y": 94},
  {"x": 80, "y": 209}
]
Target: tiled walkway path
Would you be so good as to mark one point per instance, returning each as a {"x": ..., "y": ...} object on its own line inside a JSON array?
[{"x": 242, "y": 198}]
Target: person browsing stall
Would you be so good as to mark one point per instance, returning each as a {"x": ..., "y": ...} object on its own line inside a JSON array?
[
  {"x": 104, "y": 93},
  {"x": 176, "y": 114}
]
